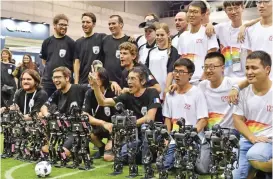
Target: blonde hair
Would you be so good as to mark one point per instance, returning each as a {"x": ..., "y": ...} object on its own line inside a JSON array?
[
  {"x": 166, "y": 28},
  {"x": 132, "y": 48},
  {"x": 8, "y": 52}
]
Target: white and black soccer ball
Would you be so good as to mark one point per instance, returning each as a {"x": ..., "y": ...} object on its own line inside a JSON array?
[{"x": 43, "y": 169}]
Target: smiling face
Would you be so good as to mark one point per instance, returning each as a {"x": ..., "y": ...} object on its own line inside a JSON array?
[
  {"x": 61, "y": 27},
  {"x": 234, "y": 12},
  {"x": 26, "y": 59},
  {"x": 214, "y": 69},
  {"x": 161, "y": 38},
  {"x": 5, "y": 56},
  {"x": 60, "y": 80},
  {"x": 28, "y": 82},
  {"x": 115, "y": 26},
  {"x": 255, "y": 71},
  {"x": 87, "y": 24},
  {"x": 194, "y": 15}
]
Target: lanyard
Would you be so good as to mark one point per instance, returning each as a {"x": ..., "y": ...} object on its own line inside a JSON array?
[
  {"x": 98, "y": 106},
  {"x": 30, "y": 104}
]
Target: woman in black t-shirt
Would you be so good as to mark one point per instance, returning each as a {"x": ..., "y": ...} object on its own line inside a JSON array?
[{"x": 8, "y": 84}]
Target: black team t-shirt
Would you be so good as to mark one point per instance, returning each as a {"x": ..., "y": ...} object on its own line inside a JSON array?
[
  {"x": 39, "y": 99},
  {"x": 141, "y": 105},
  {"x": 6, "y": 74},
  {"x": 111, "y": 56},
  {"x": 63, "y": 101},
  {"x": 100, "y": 112},
  {"x": 151, "y": 79},
  {"x": 57, "y": 52},
  {"x": 88, "y": 49}
]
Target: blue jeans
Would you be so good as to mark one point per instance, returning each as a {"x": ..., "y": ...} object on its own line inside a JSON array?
[{"x": 261, "y": 152}]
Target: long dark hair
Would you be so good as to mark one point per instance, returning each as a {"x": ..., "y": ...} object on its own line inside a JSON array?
[
  {"x": 104, "y": 77},
  {"x": 29, "y": 65}
]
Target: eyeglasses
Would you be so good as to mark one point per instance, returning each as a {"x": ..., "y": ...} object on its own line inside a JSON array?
[
  {"x": 193, "y": 12},
  {"x": 63, "y": 25},
  {"x": 263, "y": 2},
  {"x": 211, "y": 67},
  {"x": 180, "y": 72}
]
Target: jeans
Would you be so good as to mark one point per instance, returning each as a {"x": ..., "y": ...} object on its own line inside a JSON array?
[{"x": 259, "y": 152}]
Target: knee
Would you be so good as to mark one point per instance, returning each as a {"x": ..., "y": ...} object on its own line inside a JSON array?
[
  {"x": 108, "y": 158},
  {"x": 67, "y": 152}
]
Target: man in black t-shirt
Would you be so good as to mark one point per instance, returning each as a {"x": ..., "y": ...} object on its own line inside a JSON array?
[
  {"x": 56, "y": 51},
  {"x": 144, "y": 102},
  {"x": 128, "y": 60},
  {"x": 87, "y": 48},
  {"x": 92, "y": 108},
  {"x": 66, "y": 95},
  {"x": 110, "y": 48}
]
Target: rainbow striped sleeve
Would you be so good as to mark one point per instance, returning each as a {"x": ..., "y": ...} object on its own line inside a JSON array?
[
  {"x": 255, "y": 126},
  {"x": 214, "y": 118},
  {"x": 228, "y": 56}
]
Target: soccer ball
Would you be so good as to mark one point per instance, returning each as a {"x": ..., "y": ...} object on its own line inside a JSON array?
[{"x": 43, "y": 169}]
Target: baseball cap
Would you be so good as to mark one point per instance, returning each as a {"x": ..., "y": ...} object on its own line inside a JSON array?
[{"x": 148, "y": 24}]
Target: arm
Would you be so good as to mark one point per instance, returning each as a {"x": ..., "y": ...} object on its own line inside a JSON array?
[
  {"x": 201, "y": 124},
  {"x": 168, "y": 81},
  {"x": 168, "y": 123},
  {"x": 242, "y": 29},
  {"x": 252, "y": 22},
  {"x": 157, "y": 87},
  {"x": 102, "y": 101},
  {"x": 76, "y": 68},
  {"x": 239, "y": 124},
  {"x": 149, "y": 116},
  {"x": 44, "y": 110}
]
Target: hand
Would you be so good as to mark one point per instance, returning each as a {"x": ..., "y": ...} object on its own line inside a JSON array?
[
  {"x": 115, "y": 87},
  {"x": 233, "y": 96},
  {"x": 257, "y": 139},
  {"x": 108, "y": 126},
  {"x": 172, "y": 88},
  {"x": 27, "y": 117},
  {"x": 14, "y": 107},
  {"x": 209, "y": 30},
  {"x": 125, "y": 90},
  {"x": 131, "y": 39},
  {"x": 18, "y": 65},
  {"x": 92, "y": 79},
  {"x": 241, "y": 34},
  {"x": 2, "y": 109}
]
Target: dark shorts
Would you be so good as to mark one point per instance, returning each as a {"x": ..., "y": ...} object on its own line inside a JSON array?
[
  {"x": 69, "y": 142},
  {"x": 100, "y": 132}
]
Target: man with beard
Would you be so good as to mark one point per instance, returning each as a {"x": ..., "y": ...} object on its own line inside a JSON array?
[
  {"x": 57, "y": 50},
  {"x": 87, "y": 48},
  {"x": 181, "y": 25},
  {"x": 66, "y": 95},
  {"x": 144, "y": 102},
  {"x": 110, "y": 47},
  {"x": 31, "y": 96}
]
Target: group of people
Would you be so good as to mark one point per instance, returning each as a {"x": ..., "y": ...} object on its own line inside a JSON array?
[{"x": 195, "y": 74}]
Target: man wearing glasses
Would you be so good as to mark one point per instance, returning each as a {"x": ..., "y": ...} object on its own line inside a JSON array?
[
  {"x": 195, "y": 44},
  {"x": 188, "y": 102},
  {"x": 64, "y": 97},
  {"x": 57, "y": 50}
]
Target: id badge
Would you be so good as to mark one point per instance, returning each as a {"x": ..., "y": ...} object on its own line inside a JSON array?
[{"x": 236, "y": 64}]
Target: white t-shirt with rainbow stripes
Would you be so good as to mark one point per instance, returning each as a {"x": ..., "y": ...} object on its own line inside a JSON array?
[{"x": 257, "y": 110}]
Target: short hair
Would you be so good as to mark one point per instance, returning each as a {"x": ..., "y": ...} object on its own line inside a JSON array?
[
  {"x": 154, "y": 15},
  {"x": 91, "y": 15},
  {"x": 216, "y": 55},
  {"x": 185, "y": 62},
  {"x": 263, "y": 56},
  {"x": 233, "y": 3},
  {"x": 120, "y": 20},
  {"x": 104, "y": 77},
  {"x": 66, "y": 72},
  {"x": 142, "y": 73},
  {"x": 201, "y": 4},
  {"x": 8, "y": 52},
  {"x": 35, "y": 75},
  {"x": 59, "y": 17},
  {"x": 132, "y": 48}
]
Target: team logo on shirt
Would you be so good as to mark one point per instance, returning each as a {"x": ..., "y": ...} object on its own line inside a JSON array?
[
  {"x": 9, "y": 71},
  {"x": 187, "y": 106},
  {"x": 199, "y": 40},
  {"x": 117, "y": 53},
  {"x": 144, "y": 110},
  {"x": 107, "y": 111},
  {"x": 96, "y": 49},
  {"x": 62, "y": 53}
]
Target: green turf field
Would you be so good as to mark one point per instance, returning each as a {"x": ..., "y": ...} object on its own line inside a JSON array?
[{"x": 25, "y": 170}]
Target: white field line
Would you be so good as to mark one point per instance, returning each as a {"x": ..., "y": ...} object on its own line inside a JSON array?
[
  {"x": 80, "y": 171},
  {"x": 11, "y": 170}
]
